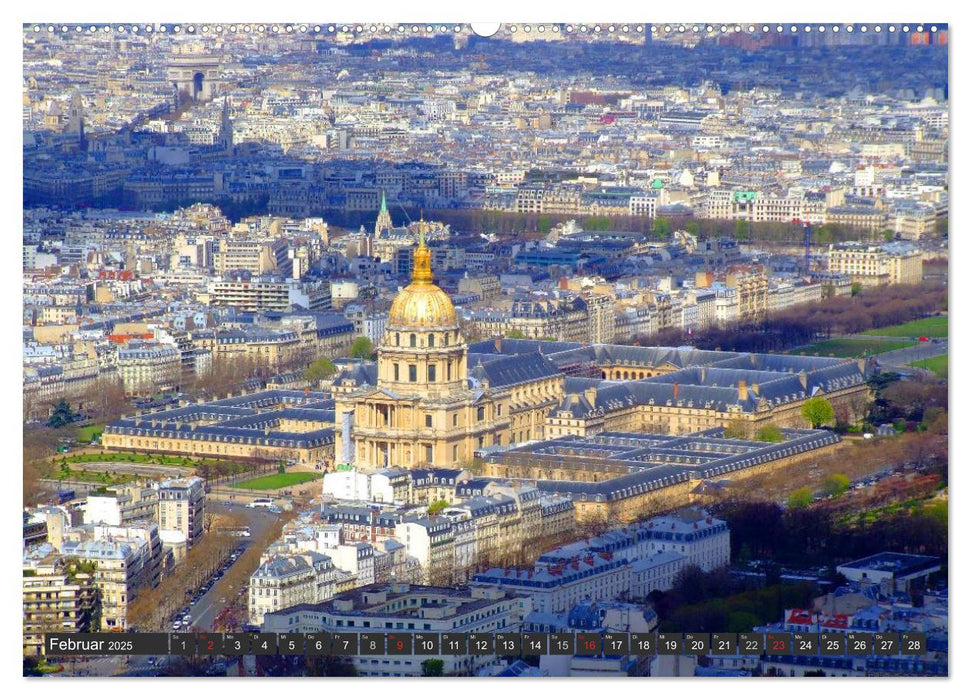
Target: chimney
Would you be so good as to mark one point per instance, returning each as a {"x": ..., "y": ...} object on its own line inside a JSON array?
[
  {"x": 675, "y": 390},
  {"x": 591, "y": 394},
  {"x": 755, "y": 388},
  {"x": 742, "y": 390},
  {"x": 498, "y": 343},
  {"x": 804, "y": 380},
  {"x": 701, "y": 374}
]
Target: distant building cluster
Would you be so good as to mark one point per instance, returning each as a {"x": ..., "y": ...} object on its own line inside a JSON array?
[
  {"x": 304, "y": 592},
  {"x": 355, "y": 542}
]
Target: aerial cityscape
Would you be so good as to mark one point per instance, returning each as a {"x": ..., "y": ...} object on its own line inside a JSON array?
[{"x": 603, "y": 350}]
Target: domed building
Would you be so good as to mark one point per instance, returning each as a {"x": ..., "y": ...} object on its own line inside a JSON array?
[
  {"x": 425, "y": 408},
  {"x": 422, "y": 346}
]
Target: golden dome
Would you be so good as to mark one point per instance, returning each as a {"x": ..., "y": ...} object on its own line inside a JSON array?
[{"x": 422, "y": 304}]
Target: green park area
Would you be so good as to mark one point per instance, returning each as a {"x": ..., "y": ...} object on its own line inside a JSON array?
[
  {"x": 937, "y": 365},
  {"x": 932, "y": 327},
  {"x": 62, "y": 472},
  {"x": 90, "y": 432},
  {"x": 277, "y": 481},
  {"x": 131, "y": 457},
  {"x": 850, "y": 347}
]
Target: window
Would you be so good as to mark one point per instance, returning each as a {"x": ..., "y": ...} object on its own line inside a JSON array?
[
  {"x": 480, "y": 413},
  {"x": 428, "y": 420},
  {"x": 448, "y": 371},
  {"x": 431, "y": 373},
  {"x": 455, "y": 452},
  {"x": 412, "y": 373},
  {"x": 431, "y": 340},
  {"x": 428, "y": 454},
  {"x": 397, "y": 339},
  {"x": 498, "y": 409},
  {"x": 455, "y": 419},
  {"x": 396, "y": 371},
  {"x": 414, "y": 340}
]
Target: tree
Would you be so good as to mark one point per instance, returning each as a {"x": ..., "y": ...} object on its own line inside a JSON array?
[
  {"x": 800, "y": 498},
  {"x": 662, "y": 227},
  {"x": 61, "y": 415},
  {"x": 432, "y": 667},
  {"x": 855, "y": 289},
  {"x": 516, "y": 334},
  {"x": 836, "y": 484},
  {"x": 693, "y": 227},
  {"x": 736, "y": 430},
  {"x": 825, "y": 234},
  {"x": 320, "y": 370},
  {"x": 741, "y": 230},
  {"x": 362, "y": 348},
  {"x": 106, "y": 399},
  {"x": 769, "y": 433},
  {"x": 817, "y": 411},
  {"x": 437, "y": 506}
]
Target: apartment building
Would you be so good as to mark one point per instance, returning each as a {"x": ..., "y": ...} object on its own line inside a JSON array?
[
  {"x": 874, "y": 265},
  {"x": 58, "y": 597},
  {"x": 268, "y": 347},
  {"x": 123, "y": 505},
  {"x": 409, "y": 608},
  {"x": 560, "y": 586},
  {"x": 752, "y": 289},
  {"x": 125, "y": 559},
  {"x": 270, "y": 295},
  {"x": 703, "y": 540},
  {"x": 286, "y": 581},
  {"x": 182, "y": 507},
  {"x": 258, "y": 257},
  {"x": 146, "y": 367}
]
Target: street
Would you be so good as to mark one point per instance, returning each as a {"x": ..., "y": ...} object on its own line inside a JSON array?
[
  {"x": 203, "y": 612},
  {"x": 209, "y": 606},
  {"x": 903, "y": 357}
]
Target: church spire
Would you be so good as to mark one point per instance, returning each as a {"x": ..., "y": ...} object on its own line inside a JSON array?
[{"x": 384, "y": 218}]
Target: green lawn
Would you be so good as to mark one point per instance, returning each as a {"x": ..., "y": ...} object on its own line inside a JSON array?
[
  {"x": 90, "y": 477},
  {"x": 932, "y": 327},
  {"x": 277, "y": 481},
  {"x": 937, "y": 365},
  {"x": 850, "y": 347},
  {"x": 142, "y": 458},
  {"x": 90, "y": 432}
]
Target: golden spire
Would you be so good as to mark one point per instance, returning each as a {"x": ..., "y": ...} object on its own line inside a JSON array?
[{"x": 421, "y": 270}]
